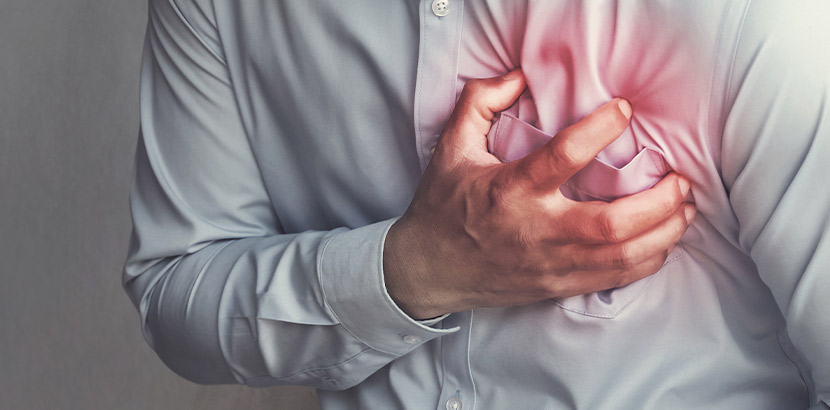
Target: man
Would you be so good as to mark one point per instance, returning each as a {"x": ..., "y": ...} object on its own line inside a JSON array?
[{"x": 269, "y": 127}]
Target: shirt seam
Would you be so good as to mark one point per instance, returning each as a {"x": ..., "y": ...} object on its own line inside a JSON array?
[
  {"x": 469, "y": 359},
  {"x": 712, "y": 127},
  {"x": 786, "y": 347}
]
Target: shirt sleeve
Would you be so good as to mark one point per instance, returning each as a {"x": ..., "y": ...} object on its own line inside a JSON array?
[
  {"x": 224, "y": 294},
  {"x": 776, "y": 166}
]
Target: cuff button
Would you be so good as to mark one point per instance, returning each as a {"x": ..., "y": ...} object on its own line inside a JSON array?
[{"x": 411, "y": 340}]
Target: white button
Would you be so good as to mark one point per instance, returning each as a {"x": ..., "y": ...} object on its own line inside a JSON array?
[
  {"x": 432, "y": 150},
  {"x": 441, "y": 7},
  {"x": 454, "y": 404},
  {"x": 410, "y": 339}
]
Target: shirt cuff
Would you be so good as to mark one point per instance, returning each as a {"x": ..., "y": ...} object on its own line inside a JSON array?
[
  {"x": 430, "y": 322},
  {"x": 351, "y": 277}
]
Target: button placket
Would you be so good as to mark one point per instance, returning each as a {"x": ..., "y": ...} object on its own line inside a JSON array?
[
  {"x": 435, "y": 97},
  {"x": 458, "y": 388},
  {"x": 440, "y": 23}
]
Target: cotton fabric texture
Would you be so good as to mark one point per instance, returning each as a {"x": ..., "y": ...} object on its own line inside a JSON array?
[{"x": 280, "y": 141}]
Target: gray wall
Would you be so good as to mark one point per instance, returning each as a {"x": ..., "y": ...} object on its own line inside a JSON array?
[{"x": 68, "y": 124}]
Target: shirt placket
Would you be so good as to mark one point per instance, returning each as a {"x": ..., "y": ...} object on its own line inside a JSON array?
[
  {"x": 435, "y": 96},
  {"x": 435, "y": 88},
  {"x": 458, "y": 390}
]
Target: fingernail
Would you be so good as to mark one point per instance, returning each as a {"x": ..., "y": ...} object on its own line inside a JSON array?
[
  {"x": 690, "y": 212},
  {"x": 684, "y": 185},
  {"x": 625, "y": 108},
  {"x": 513, "y": 75}
]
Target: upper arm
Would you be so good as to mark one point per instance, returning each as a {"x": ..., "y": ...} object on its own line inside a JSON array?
[
  {"x": 224, "y": 294},
  {"x": 196, "y": 178},
  {"x": 776, "y": 164}
]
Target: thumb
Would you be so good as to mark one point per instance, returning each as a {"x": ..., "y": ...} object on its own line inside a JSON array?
[
  {"x": 480, "y": 100},
  {"x": 573, "y": 148}
]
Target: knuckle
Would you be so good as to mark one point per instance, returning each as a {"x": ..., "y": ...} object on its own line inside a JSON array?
[
  {"x": 554, "y": 285},
  {"x": 539, "y": 269},
  {"x": 625, "y": 257},
  {"x": 522, "y": 173},
  {"x": 653, "y": 265},
  {"x": 472, "y": 88},
  {"x": 564, "y": 260},
  {"x": 565, "y": 155},
  {"x": 677, "y": 198},
  {"x": 680, "y": 225},
  {"x": 465, "y": 101},
  {"x": 553, "y": 276},
  {"x": 609, "y": 228},
  {"x": 666, "y": 207},
  {"x": 622, "y": 278},
  {"x": 499, "y": 192}
]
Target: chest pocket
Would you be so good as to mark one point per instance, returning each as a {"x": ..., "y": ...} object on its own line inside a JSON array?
[{"x": 511, "y": 138}]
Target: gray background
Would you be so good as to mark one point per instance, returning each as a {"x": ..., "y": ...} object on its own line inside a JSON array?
[{"x": 68, "y": 126}]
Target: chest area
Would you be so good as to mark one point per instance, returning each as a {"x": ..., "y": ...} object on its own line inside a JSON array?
[{"x": 577, "y": 55}]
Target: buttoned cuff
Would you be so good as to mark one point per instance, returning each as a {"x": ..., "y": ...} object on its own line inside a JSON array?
[{"x": 351, "y": 277}]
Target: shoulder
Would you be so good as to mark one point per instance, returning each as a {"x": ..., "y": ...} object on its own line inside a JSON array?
[
  {"x": 783, "y": 41},
  {"x": 779, "y": 85}
]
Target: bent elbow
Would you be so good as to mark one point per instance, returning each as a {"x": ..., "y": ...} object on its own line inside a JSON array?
[
  {"x": 191, "y": 356},
  {"x": 185, "y": 338}
]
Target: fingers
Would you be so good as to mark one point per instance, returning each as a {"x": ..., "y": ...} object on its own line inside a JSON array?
[
  {"x": 624, "y": 218},
  {"x": 478, "y": 103},
  {"x": 594, "y": 281},
  {"x": 648, "y": 248},
  {"x": 574, "y": 147}
]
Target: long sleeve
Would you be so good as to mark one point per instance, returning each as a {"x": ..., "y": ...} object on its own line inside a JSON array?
[
  {"x": 224, "y": 294},
  {"x": 776, "y": 164}
]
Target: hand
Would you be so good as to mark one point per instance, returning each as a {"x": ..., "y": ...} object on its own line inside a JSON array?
[{"x": 480, "y": 233}]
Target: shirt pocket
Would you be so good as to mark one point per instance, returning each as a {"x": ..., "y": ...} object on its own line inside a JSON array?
[{"x": 510, "y": 139}]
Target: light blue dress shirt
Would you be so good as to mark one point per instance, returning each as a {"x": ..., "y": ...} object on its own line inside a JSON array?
[{"x": 281, "y": 139}]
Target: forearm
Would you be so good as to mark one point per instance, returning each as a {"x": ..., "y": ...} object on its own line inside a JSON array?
[{"x": 304, "y": 309}]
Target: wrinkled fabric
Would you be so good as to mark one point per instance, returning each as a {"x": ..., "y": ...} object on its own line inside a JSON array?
[{"x": 280, "y": 140}]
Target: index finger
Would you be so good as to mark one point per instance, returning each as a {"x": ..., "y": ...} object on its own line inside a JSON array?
[{"x": 574, "y": 147}]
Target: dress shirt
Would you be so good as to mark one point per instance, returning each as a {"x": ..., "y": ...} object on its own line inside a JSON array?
[{"x": 281, "y": 139}]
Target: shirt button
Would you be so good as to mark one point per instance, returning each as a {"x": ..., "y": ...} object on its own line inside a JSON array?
[
  {"x": 441, "y": 7},
  {"x": 454, "y": 404},
  {"x": 432, "y": 150},
  {"x": 411, "y": 340}
]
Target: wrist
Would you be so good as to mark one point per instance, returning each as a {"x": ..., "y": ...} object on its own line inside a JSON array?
[{"x": 405, "y": 275}]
